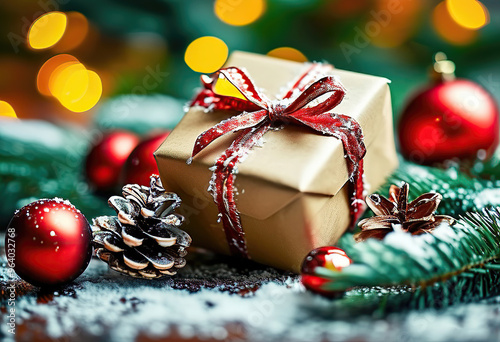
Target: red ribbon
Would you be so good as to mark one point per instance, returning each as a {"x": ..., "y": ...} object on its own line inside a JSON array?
[{"x": 260, "y": 114}]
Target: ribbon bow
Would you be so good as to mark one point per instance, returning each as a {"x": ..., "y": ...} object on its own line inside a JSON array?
[{"x": 302, "y": 104}]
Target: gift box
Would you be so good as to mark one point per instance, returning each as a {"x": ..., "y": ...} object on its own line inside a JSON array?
[{"x": 292, "y": 190}]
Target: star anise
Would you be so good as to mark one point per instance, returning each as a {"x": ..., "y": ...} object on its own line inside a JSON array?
[{"x": 416, "y": 217}]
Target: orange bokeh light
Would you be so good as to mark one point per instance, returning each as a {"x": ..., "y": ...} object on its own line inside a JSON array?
[
  {"x": 59, "y": 79},
  {"x": 48, "y": 68},
  {"x": 288, "y": 53},
  {"x": 88, "y": 99},
  {"x": 448, "y": 29},
  {"x": 76, "y": 32},
  {"x": 69, "y": 81}
]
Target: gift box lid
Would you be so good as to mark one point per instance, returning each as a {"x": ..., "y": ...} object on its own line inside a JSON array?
[{"x": 291, "y": 161}]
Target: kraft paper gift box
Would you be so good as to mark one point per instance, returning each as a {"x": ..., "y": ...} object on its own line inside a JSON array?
[{"x": 292, "y": 192}]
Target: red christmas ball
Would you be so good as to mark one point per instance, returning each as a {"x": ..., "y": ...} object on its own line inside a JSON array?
[
  {"x": 106, "y": 159},
  {"x": 332, "y": 258},
  {"x": 452, "y": 119},
  {"x": 141, "y": 163},
  {"x": 48, "y": 242}
]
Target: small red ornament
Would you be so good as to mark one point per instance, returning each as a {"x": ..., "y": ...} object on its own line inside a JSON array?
[
  {"x": 51, "y": 241},
  {"x": 106, "y": 159},
  {"x": 332, "y": 258},
  {"x": 141, "y": 163},
  {"x": 453, "y": 118}
]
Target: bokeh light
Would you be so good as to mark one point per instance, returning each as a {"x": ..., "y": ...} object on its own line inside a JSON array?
[
  {"x": 77, "y": 29},
  {"x": 288, "y": 53},
  {"x": 47, "y": 30},
  {"x": 69, "y": 82},
  {"x": 448, "y": 28},
  {"x": 239, "y": 13},
  {"x": 6, "y": 110},
  {"x": 48, "y": 68},
  {"x": 55, "y": 82},
  {"x": 470, "y": 14},
  {"x": 224, "y": 87},
  {"x": 90, "y": 97},
  {"x": 206, "y": 54}
]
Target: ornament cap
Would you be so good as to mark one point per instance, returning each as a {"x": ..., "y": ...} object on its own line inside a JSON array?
[{"x": 443, "y": 70}]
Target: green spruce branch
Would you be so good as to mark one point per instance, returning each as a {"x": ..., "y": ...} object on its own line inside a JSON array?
[
  {"x": 45, "y": 161},
  {"x": 455, "y": 264},
  {"x": 461, "y": 193}
]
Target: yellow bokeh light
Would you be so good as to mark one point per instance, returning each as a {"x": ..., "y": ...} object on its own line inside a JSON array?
[
  {"x": 91, "y": 96},
  {"x": 288, "y": 53},
  {"x": 74, "y": 85},
  {"x": 224, "y": 87},
  {"x": 47, "y": 69},
  {"x": 47, "y": 30},
  {"x": 69, "y": 80},
  {"x": 470, "y": 14},
  {"x": 239, "y": 13},
  {"x": 448, "y": 29},
  {"x": 206, "y": 54},
  {"x": 77, "y": 29},
  {"x": 6, "y": 110}
]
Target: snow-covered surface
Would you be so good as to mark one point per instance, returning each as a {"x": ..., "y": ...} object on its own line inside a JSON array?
[{"x": 104, "y": 305}]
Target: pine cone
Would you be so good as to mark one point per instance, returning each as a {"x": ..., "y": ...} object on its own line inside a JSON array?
[
  {"x": 144, "y": 240},
  {"x": 416, "y": 217}
]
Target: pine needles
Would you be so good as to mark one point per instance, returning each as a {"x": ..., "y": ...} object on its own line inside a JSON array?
[
  {"x": 461, "y": 193},
  {"x": 455, "y": 264}
]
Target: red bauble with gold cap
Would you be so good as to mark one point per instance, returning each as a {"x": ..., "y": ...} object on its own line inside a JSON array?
[
  {"x": 332, "y": 258},
  {"x": 451, "y": 119},
  {"x": 48, "y": 242}
]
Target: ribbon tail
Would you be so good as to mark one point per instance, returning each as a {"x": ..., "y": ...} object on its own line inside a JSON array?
[
  {"x": 235, "y": 123},
  {"x": 349, "y": 132},
  {"x": 223, "y": 190},
  {"x": 356, "y": 190}
]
